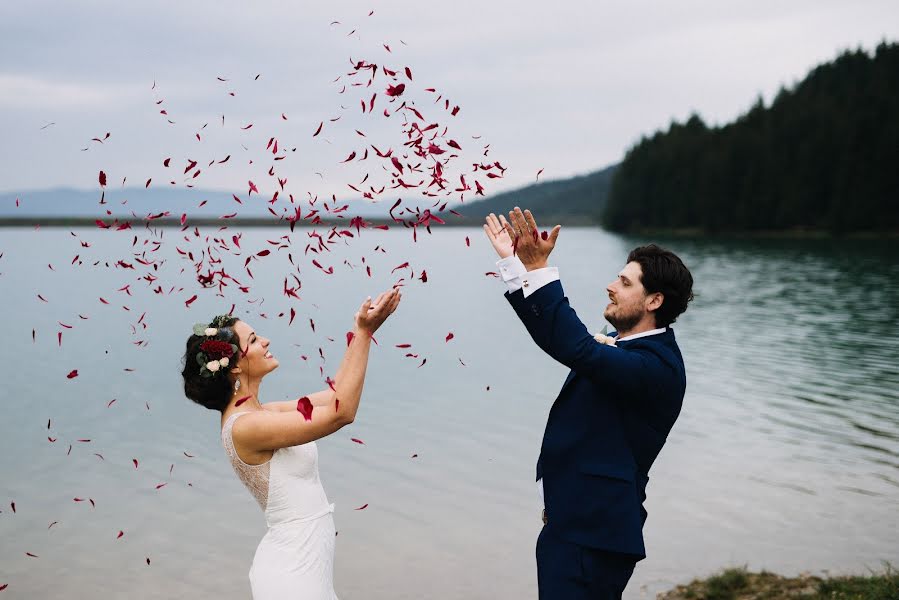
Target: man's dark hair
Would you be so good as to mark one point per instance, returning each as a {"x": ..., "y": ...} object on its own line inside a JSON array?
[{"x": 664, "y": 272}]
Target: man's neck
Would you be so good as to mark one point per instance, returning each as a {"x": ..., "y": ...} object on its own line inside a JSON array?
[{"x": 641, "y": 327}]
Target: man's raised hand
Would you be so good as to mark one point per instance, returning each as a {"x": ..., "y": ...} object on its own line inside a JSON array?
[
  {"x": 532, "y": 248},
  {"x": 496, "y": 233}
]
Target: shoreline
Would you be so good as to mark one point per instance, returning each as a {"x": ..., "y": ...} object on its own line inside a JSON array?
[
  {"x": 740, "y": 584},
  {"x": 267, "y": 222}
]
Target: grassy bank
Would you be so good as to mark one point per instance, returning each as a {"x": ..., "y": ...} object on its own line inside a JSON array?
[{"x": 740, "y": 584}]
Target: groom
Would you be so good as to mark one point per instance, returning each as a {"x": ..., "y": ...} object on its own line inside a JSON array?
[{"x": 613, "y": 414}]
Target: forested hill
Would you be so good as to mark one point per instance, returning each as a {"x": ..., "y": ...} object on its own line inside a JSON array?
[
  {"x": 824, "y": 155},
  {"x": 576, "y": 200}
]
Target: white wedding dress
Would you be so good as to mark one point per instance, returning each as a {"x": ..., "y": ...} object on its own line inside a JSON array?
[{"x": 295, "y": 559}]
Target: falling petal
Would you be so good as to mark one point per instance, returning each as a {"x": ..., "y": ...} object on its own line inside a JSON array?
[{"x": 304, "y": 405}]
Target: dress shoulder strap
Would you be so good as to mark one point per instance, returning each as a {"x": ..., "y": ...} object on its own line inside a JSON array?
[
  {"x": 227, "y": 439},
  {"x": 255, "y": 477}
]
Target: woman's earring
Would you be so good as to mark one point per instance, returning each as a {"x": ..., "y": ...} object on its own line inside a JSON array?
[{"x": 236, "y": 385}]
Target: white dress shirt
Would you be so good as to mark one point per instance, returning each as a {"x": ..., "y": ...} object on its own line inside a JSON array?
[{"x": 516, "y": 277}]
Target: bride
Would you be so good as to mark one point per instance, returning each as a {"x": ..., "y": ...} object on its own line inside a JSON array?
[{"x": 272, "y": 446}]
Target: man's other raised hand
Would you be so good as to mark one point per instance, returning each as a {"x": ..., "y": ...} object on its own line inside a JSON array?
[{"x": 495, "y": 228}]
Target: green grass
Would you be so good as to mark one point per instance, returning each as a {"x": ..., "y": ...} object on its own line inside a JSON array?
[
  {"x": 740, "y": 584},
  {"x": 726, "y": 585},
  {"x": 883, "y": 586}
]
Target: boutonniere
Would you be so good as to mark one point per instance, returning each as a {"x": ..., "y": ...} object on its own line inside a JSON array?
[{"x": 602, "y": 338}]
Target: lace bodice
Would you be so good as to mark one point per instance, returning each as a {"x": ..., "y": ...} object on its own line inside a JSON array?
[
  {"x": 255, "y": 477},
  {"x": 287, "y": 487}
]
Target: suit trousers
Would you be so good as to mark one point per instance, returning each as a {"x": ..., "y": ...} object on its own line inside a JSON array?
[{"x": 567, "y": 571}]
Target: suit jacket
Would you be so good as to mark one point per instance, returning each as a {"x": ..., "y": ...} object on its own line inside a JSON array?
[{"x": 607, "y": 425}]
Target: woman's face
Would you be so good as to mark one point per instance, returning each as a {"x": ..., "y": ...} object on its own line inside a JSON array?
[{"x": 253, "y": 359}]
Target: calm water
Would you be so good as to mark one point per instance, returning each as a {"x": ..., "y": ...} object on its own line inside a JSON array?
[{"x": 786, "y": 455}]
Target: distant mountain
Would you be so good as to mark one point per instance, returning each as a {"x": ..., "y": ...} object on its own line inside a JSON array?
[
  {"x": 577, "y": 200},
  {"x": 822, "y": 156},
  {"x": 68, "y": 202}
]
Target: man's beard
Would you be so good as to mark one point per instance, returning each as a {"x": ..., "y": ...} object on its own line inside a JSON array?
[{"x": 623, "y": 320}]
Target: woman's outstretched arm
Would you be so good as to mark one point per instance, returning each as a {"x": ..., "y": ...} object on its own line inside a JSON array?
[{"x": 333, "y": 409}]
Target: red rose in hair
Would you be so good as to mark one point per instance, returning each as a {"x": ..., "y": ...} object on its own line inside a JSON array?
[{"x": 216, "y": 349}]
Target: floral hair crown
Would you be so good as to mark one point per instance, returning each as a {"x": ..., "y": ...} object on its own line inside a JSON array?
[{"x": 214, "y": 354}]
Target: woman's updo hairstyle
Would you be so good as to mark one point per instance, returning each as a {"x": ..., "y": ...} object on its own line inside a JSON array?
[{"x": 212, "y": 391}]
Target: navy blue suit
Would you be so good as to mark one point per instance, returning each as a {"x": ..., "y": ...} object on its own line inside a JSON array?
[{"x": 605, "y": 429}]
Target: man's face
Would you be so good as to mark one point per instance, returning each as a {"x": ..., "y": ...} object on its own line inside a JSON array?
[{"x": 628, "y": 298}]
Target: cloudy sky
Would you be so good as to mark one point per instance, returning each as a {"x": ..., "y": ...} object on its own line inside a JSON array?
[{"x": 563, "y": 86}]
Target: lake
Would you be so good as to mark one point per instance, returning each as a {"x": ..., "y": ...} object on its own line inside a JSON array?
[{"x": 785, "y": 457}]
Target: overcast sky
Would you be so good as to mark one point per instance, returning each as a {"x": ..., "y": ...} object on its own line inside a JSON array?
[{"x": 562, "y": 86}]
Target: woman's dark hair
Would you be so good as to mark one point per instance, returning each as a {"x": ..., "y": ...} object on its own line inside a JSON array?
[
  {"x": 212, "y": 392},
  {"x": 665, "y": 273}
]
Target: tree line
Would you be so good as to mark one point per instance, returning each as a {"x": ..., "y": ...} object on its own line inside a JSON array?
[{"x": 823, "y": 156}]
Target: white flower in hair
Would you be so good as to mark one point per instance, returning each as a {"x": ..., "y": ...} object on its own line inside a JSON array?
[
  {"x": 210, "y": 331},
  {"x": 213, "y": 365},
  {"x": 223, "y": 361}
]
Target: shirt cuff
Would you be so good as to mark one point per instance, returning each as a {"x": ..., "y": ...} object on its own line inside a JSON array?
[
  {"x": 536, "y": 279},
  {"x": 511, "y": 270}
]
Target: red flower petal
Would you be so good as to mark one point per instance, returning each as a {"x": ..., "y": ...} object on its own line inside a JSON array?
[
  {"x": 239, "y": 402},
  {"x": 396, "y": 90},
  {"x": 363, "y": 507},
  {"x": 304, "y": 405},
  {"x": 358, "y": 441},
  {"x": 72, "y": 374}
]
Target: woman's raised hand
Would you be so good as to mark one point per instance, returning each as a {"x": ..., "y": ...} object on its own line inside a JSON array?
[{"x": 372, "y": 314}]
